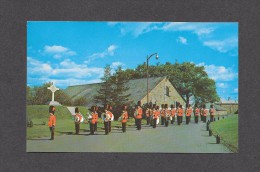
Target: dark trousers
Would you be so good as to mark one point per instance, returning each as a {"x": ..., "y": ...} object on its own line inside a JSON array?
[
  {"x": 162, "y": 120},
  {"x": 106, "y": 125},
  {"x": 52, "y": 129},
  {"x": 201, "y": 117},
  {"x": 196, "y": 119},
  {"x": 204, "y": 119},
  {"x": 187, "y": 119},
  {"x": 173, "y": 120},
  {"x": 148, "y": 120},
  {"x": 77, "y": 127},
  {"x": 154, "y": 123},
  {"x": 109, "y": 126},
  {"x": 179, "y": 120},
  {"x": 124, "y": 127},
  {"x": 138, "y": 121},
  {"x": 211, "y": 118},
  {"x": 95, "y": 126},
  {"x": 91, "y": 126},
  {"x": 166, "y": 122}
]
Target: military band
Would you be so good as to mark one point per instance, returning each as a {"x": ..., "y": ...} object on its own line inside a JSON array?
[{"x": 152, "y": 115}]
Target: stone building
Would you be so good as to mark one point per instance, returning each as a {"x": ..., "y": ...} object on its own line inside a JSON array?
[
  {"x": 161, "y": 91},
  {"x": 230, "y": 105}
]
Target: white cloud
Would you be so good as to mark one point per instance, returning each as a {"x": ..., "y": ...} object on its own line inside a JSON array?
[
  {"x": 116, "y": 64},
  {"x": 72, "y": 81},
  {"x": 110, "y": 51},
  {"x": 55, "y": 49},
  {"x": 58, "y": 51},
  {"x": 221, "y": 85},
  {"x": 182, "y": 40},
  {"x": 37, "y": 67},
  {"x": 235, "y": 90},
  {"x": 219, "y": 73},
  {"x": 65, "y": 69},
  {"x": 222, "y": 45}
]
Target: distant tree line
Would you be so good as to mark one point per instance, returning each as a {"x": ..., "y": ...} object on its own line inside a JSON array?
[{"x": 40, "y": 95}]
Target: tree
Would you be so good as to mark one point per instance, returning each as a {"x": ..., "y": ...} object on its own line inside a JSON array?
[
  {"x": 29, "y": 95},
  {"x": 119, "y": 96},
  {"x": 105, "y": 91}
]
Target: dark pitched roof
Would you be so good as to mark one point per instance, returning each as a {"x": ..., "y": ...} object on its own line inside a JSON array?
[{"x": 137, "y": 89}]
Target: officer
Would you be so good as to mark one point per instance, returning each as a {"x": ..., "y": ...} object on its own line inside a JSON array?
[
  {"x": 156, "y": 113},
  {"x": 52, "y": 121},
  {"x": 167, "y": 114},
  {"x": 92, "y": 119},
  {"x": 148, "y": 115},
  {"x": 205, "y": 112},
  {"x": 139, "y": 117}
]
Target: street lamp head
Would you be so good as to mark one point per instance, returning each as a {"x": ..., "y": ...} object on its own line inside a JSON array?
[{"x": 157, "y": 57}]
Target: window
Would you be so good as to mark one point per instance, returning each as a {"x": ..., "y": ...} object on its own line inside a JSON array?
[{"x": 167, "y": 91}]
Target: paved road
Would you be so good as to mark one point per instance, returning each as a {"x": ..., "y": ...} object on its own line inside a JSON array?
[{"x": 192, "y": 138}]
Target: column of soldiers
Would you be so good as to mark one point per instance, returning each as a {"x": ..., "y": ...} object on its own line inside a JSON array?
[{"x": 152, "y": 114}]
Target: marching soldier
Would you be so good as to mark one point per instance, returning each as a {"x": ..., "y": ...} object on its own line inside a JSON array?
[
  {"x": 93, "y": 117},
  {"x": 124, "y": 118},
  {"x": 77, "y": 118},
  {"x": 197, "y": 112},
  {"x": 148, "y": 115},
  {"x": 167, "y": 115},
  {"x": 139, "y": 117},
  {"x": 52, "y": 121},
  {"x": 179, "y": 114},
  {"x": 95, "y": 126},
  {"x": 173, "y": 112},
  {"x": 111, "y": 117},
  {"x": 201, "y": 112},
  {"x": 188, "y": 114},
  {"x": 205, "y": 112},
  {"x": 106, "y": 119},
  {"x": 156, "y": 113},
  {"x": 212, "y": 113},
  {"x": 162, "y": 114}
]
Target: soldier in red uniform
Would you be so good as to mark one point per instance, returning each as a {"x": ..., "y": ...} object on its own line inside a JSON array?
[
  {"x": 139, "y": 117},
  {"x": 78, "y": 117},
  {"x": 148, "y": 115},
  {"x": 179, "y": 114},
  {"x": 162, "y": 114},
  {"x": 124, "y": 118},
  {"x": 188, "y": 114},
  {"x": 52, "y": 121},
  {"x": 197, "y": 112},
  {"x": 173, "y": 113},
  {"x": 156, "y": 113},
  {"x": 205, "y": 113},
  {"x": 212, "y": 113},
  {"x": 167, "y": 115},
  {"x": 92, "y": 119}
]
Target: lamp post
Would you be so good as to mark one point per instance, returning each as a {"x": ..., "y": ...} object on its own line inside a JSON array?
[{"x": 147, "y": 61}]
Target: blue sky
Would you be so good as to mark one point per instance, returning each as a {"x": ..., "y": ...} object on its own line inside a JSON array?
[{"x": 73, "y": 53}]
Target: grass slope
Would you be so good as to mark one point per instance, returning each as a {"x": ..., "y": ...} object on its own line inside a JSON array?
[
  {"x": 39, "y": 114},
  {"x": 228, "y": 131}
]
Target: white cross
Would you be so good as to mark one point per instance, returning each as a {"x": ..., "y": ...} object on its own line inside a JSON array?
[{"x": 53, "y": 89}]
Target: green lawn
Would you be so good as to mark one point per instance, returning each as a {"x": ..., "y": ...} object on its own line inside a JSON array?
[
  {"x": 39, "y": 114},
  {"x": 228, "y": 131}
]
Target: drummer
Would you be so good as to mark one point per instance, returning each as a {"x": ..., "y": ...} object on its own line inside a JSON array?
[
  {"x": 156, "y": 113},
  {"x": 77, "y": 118},
  {"x": 124, "y": 118}
]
